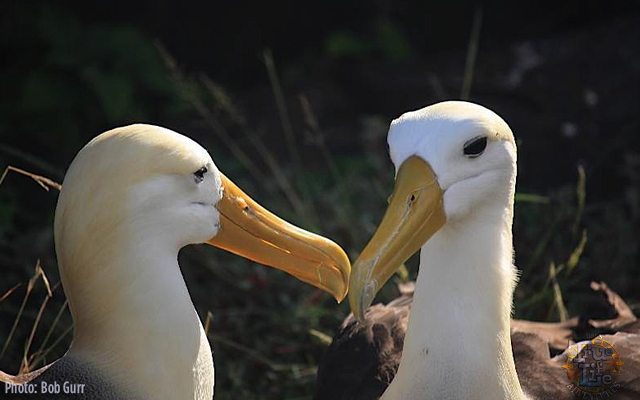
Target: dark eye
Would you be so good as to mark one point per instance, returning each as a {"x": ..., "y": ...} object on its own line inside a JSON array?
[
  {"x": 199, "y": 174},
  {"x": 475, "y": 147}
]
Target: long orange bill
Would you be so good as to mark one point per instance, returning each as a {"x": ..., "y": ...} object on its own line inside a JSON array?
[
  {"x": 250, "y": 231},
  {"x": 414, "y": 214}
]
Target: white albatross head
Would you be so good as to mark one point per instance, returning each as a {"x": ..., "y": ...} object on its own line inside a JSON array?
[
  {"x": 451, "y": 159},
  {"x": 151, "y": 181},
  {"x": 146, "y": 188}
]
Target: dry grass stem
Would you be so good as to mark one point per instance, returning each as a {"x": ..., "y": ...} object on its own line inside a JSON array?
[
  {"x": 283, "y": 112},
  {"x": 44, "y": 182},
  {"x": 318, "y": 138},
  {"x": 53, "y": 345},
  {"x": 39, "y": 355},
  {"x": 33, "y": 160},
  {"x": 207, "y": 322},
  {"x": 563, "y": 315},
  {"x": 10, "y": 292},
  {"x": 38, "y": 274},
  {"x": 26, "y": 365},
  {"x": 581, "y": 196},
  {"x": 472, "y": 53}
]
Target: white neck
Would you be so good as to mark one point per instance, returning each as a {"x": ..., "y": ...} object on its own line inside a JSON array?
[
  {"x": 135, "y": 321},
  {"x": 458, "y": 344}
]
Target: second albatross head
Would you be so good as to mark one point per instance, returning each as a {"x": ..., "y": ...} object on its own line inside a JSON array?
[
  {"x": 162, "y": 190},
  {"x": 451, "y": 158}
]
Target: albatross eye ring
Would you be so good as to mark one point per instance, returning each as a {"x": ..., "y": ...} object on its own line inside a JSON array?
[
  {"x": 199, "y": 174},
  {"x": 475, "y": 147}
]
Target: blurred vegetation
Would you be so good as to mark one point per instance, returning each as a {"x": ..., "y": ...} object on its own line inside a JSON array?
[
  {"x": 386, "y": 41},
  {"x": 83, "y": 77},
  {"x": 305, "y": 149}
]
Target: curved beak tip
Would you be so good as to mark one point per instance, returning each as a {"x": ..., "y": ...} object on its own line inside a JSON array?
[
  {"x": 333, "y": 271},
  {"x": 358, "y": 314},
  {"x": 340, "y": 286},
  {"x": 360, "y": 308},
  {"x": 363, "y": 292}
]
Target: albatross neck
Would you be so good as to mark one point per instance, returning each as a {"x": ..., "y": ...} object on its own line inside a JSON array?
[
  {"x": 134, "y": 320},
  {"x": 458, "y": 343}
]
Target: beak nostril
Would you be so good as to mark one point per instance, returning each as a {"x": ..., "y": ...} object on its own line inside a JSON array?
[{"x": 243, "y": 204}]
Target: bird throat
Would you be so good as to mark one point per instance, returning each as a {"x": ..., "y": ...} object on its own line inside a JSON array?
[
  {"x": 458, "y": 343},
  {"x": 135, "y": 321}
]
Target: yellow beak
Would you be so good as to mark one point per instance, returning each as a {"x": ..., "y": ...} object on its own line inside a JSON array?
[
  {"x": 250, "y": 231},
  {"x": 414, "y": 214}
]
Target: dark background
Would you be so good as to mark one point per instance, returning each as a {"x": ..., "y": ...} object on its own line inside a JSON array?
[{"x": 238, "y": 77}]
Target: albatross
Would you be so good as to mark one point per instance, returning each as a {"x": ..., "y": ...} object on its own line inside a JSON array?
[
  {"x": 453, "y": 200},
  {"x": 131, "y": 199}
]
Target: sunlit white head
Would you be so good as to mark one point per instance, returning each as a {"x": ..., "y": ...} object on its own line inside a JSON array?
[
  {"x": 141, "y": 190},
  {"x": 141, "y": 181},
  {"x": 471, "y": 150},
  {"x": 452, "y": 159}
]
